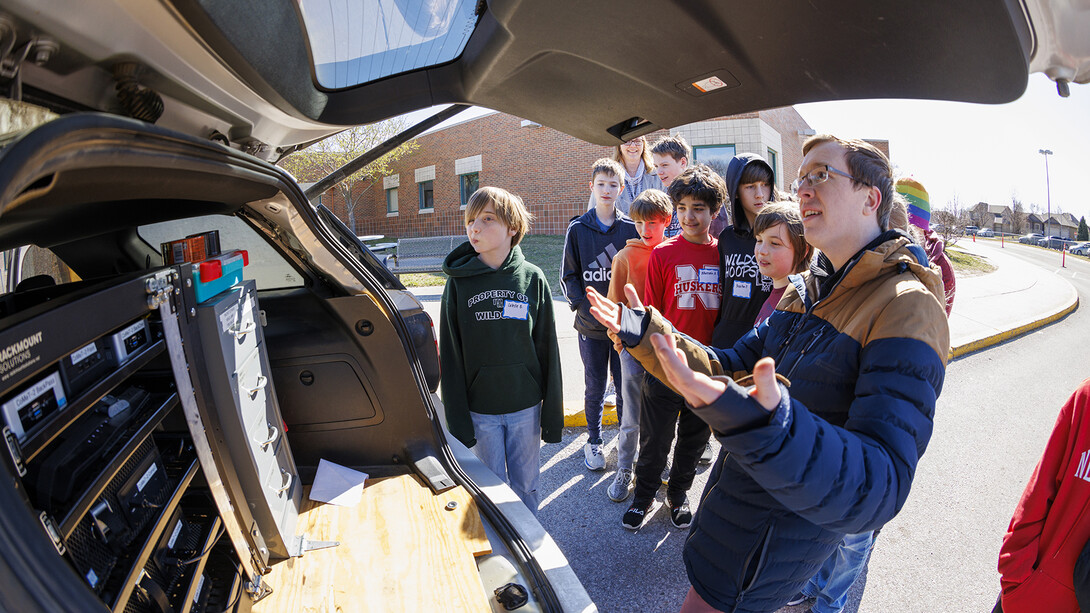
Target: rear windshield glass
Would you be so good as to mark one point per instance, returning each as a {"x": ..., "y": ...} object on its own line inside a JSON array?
[
  {"x": 359, "y": 42},
  {"x": 266, "y": 266}
]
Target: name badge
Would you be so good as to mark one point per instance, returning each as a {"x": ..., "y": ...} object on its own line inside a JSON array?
[
  {"x": 742, "y": 289},
  {"x": 513, "y": 309},
  {"x": 708, "y": 275}
]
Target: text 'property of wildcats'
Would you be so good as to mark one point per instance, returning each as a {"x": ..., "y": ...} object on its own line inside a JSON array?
[
  {"x": 510, "y": 305},
  {"x": 601, "y": 269}
]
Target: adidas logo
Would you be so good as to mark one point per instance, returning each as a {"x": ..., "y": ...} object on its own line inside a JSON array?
[{"x": 601, "y": 269}]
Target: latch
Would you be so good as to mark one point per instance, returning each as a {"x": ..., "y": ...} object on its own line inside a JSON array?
[
  {"x": 54, "y": 534},
  {"x": 15, "y": 451}
]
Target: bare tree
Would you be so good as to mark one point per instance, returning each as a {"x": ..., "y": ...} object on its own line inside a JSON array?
[
  {"x": 1018, "y": 215},
  {"x": 325, "y": 156},
  {"x": 950, "y": 220}
]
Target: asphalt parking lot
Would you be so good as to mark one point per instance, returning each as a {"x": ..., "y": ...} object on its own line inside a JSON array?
[{"x": 623, "y": 571}]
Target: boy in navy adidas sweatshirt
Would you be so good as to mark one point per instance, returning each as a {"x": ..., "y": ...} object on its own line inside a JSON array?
[{"x": 590, "y": 243}]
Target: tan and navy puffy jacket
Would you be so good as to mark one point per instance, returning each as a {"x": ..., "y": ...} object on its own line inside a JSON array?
[{"x": 866, "y": 364}]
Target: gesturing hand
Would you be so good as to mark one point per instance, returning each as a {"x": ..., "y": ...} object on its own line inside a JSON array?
[
  {"x": 607, "y": 312},
  {"x": 700, "y": 389}
]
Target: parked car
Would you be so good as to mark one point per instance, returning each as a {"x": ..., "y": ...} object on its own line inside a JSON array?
[
  {"x": 970, "y": 230},
  {"x": 162, "y": 419},
  {"x": 1054, "y": 242},
  {"x": 1081, "y": 249},
  {"x": 1030, "y": 239},
  {"x": 985, "y": 232}
]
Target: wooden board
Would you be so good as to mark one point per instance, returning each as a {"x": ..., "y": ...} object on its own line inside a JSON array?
[{"x": 400, "y": 550}]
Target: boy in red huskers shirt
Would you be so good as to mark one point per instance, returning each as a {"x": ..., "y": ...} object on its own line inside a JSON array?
[{"x": 683, "y": 283}]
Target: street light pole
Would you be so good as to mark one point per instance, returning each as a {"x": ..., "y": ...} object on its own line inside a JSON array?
[{"x": 1048, "y": 194}]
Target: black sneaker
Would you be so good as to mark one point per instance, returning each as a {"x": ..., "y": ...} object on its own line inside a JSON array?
[
  {"x": 636, "y": 514},
  {"x": 680, "y": 515}
]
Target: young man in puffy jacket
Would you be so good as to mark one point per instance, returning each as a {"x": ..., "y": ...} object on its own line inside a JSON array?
[{"x": 862, "y": 338}]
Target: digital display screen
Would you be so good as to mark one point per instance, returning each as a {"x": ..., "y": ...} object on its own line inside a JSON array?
[{"x": 32, "y": 405}]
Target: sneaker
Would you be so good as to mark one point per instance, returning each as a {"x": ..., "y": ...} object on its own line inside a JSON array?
[
  {"x": 610, "y": 399},
  {"x": 666, "y": 474},
  {"x": 680, "y": 515},
  {"x": 636, "y": 514},
  {"x": 799, "y": 598},
  {"x": 708, "y": 455},
  {"x": 622, "y": 485},
  {"x": 593, "y": 456}
]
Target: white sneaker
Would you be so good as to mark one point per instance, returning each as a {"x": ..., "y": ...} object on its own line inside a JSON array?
[
  {"x": 622, "y": 485},
  {"x": 593, "y": 457},
  {"x": 610, "y": 399}
]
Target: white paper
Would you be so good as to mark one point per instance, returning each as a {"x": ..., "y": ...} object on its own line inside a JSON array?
[{"x": 337, "y": 484}]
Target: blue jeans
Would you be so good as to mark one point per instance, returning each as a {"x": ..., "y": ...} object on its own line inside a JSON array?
[
  {"x": 831, "y": 583},
  {"x": 510, "y": 446},
  {"x": 599, "y": 359},
  {"x": 630, "y": 388}
]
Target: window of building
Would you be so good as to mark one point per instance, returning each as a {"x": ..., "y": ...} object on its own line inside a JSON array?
[
  {"x": 772, "y": 161},
  {"x": 427, "y": 199},
  {"x": 391, "y": 201},
  {"x": 468, "y": 183},
  {"x": 716, "y": 156}
]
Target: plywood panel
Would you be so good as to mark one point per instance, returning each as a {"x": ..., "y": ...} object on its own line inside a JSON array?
[{"x": 401, "y": 550}]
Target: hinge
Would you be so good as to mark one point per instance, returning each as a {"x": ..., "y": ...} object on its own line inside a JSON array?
[
  {"x": 54, "y": 534},
  {"x": 15, "y": 451}
]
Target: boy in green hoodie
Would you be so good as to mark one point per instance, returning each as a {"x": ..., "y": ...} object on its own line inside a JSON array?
[{"x": 500, "y": 360}]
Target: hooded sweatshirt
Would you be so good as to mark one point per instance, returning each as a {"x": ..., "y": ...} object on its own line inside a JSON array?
[
  {"x": 629, "y": 266},
  {"x": 745, "y": 289},
  {"x": 588, "y": 262},
  {"x": 497, "y": 343}
]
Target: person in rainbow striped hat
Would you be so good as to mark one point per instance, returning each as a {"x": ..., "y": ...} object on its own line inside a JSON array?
[{"x": 919, "y": 220}]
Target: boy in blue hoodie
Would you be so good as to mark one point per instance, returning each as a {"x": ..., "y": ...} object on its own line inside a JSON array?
[
  {"x": 591, "y": 241},
  {"x": 502, "y": 388}
]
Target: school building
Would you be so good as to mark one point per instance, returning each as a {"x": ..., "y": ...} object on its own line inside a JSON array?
[{"x": 426, "y": 191}]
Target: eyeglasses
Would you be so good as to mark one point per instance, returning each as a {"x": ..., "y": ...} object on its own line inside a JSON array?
[
  {"x": 818, "y": 176},
  {"x": 634, "y": 141}
]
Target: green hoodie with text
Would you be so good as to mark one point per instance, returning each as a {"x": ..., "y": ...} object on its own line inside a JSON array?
[{"x": 497, "y": 343}]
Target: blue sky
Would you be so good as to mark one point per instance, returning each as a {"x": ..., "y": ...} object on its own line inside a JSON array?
[{"x": 980, "y": 152}]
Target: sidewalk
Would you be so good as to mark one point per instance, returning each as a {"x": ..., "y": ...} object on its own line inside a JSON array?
[{"x": 988, "y": 309}]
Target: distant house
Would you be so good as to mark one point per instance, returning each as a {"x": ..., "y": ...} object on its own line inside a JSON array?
[
  {"x": 1034, "y": 224},
  {"x": 1063, "y": 225},
  {"x": 992, "y": 216}
]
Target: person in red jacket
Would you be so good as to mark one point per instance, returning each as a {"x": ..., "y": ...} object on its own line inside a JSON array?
[{"x": 1050, "y": 524}]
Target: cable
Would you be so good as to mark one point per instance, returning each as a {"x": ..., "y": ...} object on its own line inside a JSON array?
[
  {"x": 207, "y": 550},
  {"x": 238, "y": 573}
]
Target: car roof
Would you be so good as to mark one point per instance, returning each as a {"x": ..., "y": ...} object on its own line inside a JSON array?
[{"x": 600, "y": 71}]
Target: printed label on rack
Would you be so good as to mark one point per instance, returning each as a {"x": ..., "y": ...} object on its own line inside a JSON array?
[
  {"x": 147, "y": 477},
  {"x": 200, "y": 586},
  {"x": 227, "y": 320},
  {"x": 174, "y": 535},
  {"x": 83, "y": 353},
  {"x": 131, "y": 330}
]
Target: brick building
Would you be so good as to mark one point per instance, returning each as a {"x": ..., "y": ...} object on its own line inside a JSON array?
[{"x": 426, "y": 191}]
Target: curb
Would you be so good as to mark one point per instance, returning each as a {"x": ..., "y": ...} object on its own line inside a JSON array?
[
  {"x": 999, "y": 337},
  {"x": 574, "y": 416}
]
